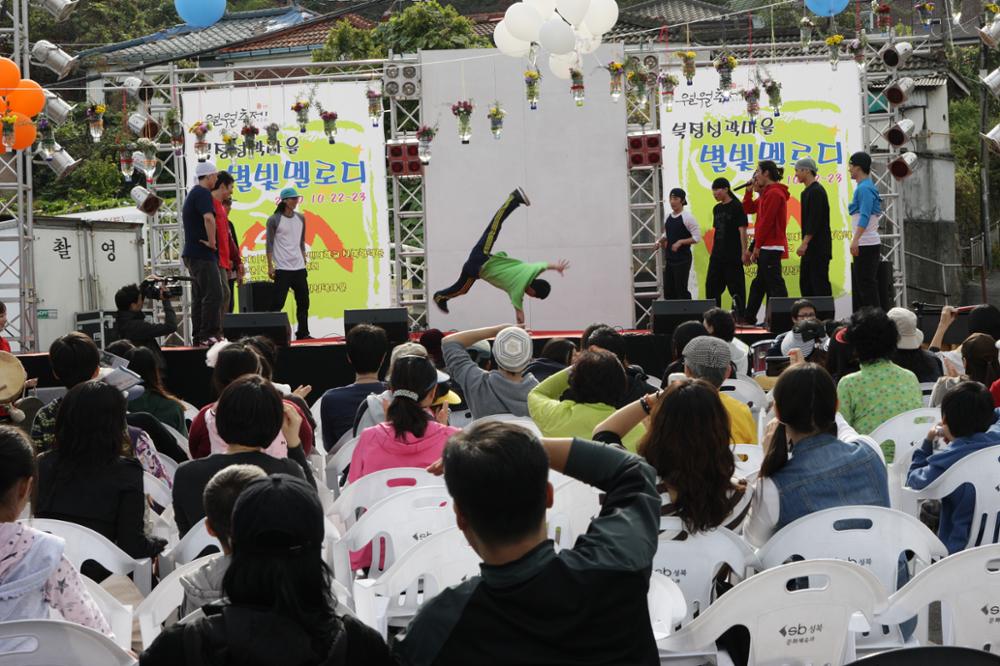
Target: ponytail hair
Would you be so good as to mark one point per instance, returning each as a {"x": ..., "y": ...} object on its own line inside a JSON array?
[
  {"x": 805, "y": 398},
  {"x": 412, "y": 378},
  {"x": 773, "y": 171},
  {"x": 280, "y": 209}
]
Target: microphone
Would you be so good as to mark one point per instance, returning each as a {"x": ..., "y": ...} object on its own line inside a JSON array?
[{"x": 743, "y": 186}]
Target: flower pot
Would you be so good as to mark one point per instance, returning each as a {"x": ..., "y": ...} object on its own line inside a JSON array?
[
  {"x": 616, "y": 87},
  {"x": 375, "y": 109},
  {"x": 96, "y": 127},
  {"x": 496, "y": 127},
  {"x": 330, "y": 128},
  {"x": 47, "y": 148},
  {"x": 464, "y": 128},
  {"x": 424, "y": 150},
  {"x": 531, "y": 92},
  {"x": 668, "y": 99},
  {"x": 202, "y": 148},
  {"x": 250, "y": 144},
  {"x": 125, "y": 163},
  {"x": 834, "y": 57},
  {"x": 303, "y": 117}
]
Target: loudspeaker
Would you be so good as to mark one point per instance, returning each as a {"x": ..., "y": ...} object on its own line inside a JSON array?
[
  {"x": 393, "y": 321},
  {"x": 779, "y": 311},
  {"x": 273, "y": 325},
  {"x": 256, "y": 296},
  {"x": 645, "y": 151},
  {"x": 668, "y": 315},
  {"x": 403, "y": 159}
]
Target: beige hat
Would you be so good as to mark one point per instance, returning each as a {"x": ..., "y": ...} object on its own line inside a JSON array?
[{"x": 910, "y": 336}]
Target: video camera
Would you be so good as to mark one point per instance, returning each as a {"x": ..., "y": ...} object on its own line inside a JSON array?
[{"x": 156, "y": 288}]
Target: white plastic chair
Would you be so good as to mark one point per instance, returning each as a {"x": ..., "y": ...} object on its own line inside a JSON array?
[
  {"x": 188, "y": 548},
  {"x": 169, "y": 465},
  {"x": 874, "y": 538},
  {"x": 982, "y": 470},
  {"x": 371, "y": 488},
  {"x": 440, "y": 560},
  {"x": 83, "y": 543},
  {"x": 118, "y": 615},
  {"x": 181, "y": 440},
  {"x": 746, "y": 391},
  {"x": 157, "y": 490},
  {"x": 666, "y": 605},
  {"x": 393, "y": 526},
  {"x": 789, "y": 626},
  {"x": 968, "y": 585},
  {"x": 926, "y": 390},
  {"x": 906, "y": 431},
  {"x": 338, "y": 463},
  {"x": 749, "y": 458},
  {"x": 50, "y": 642},
  {"x": 574, "y": 505},
  {"x": 522, "y": 421},
  {"x": 165, "y": 598},
  {"x": 317, "y": 416}
]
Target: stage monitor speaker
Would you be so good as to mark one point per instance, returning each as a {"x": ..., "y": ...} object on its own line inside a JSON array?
[
  {"x": 779, "y": 311},
  {"x": 668, "y": 315},
  {"x": 956, "y": 333},
  {"x": 256, "y": 296},
  {"x": 273, "y": 325},
  {"x": 394, "y": 321}
]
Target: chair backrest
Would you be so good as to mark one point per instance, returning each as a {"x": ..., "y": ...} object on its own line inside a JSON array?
[
  {"x": 666, "y": 604},
  {"x": 749, "y": 458},
  {"x": 191, "y": 545},
  {"x": 169, "y": 465},
  {"x": 789, "y": 624},
  {"x": 968, "y": 586},
  {"x": 758, "y": 354},
  {"x": 746, "y": 391},
  {"x": 522, "y": 421},
  {"x": 119, "y": 616},
  {"x": 338, "y": 462},
  {"x": 982, "y": 470},
  {"x": 393, "y": 526},
  {"x": 49, "y": 642},
  {"x": 83, "y": 543},
  {"x": 317, "y": 415},
  {"x": 906, "y": 432},
  {"x": 371, "y": 488},
  {"x": 574, "y": 505},
  {"x": 165, "y": 599},
  {"x": 693, "y": 562},
  {"x": 927, "y": 390},
  {"x": 181, "y": 440},
  {"x": 930, "y": 655},
  {"x": 157, "y": 490}
]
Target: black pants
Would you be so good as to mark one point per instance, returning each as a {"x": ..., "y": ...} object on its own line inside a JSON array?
[
  {"x": 814, "y": 276},
  {"x": 768, "y": 281},
  {"x": 675, "y": 280},
  {"x": 207, "y": 297},
  {"x": 296, "y": 281},
  {"x": 727, "y": 274},
  {"x": 865, "y": 270},
  {"x": 232, "y": 295}
]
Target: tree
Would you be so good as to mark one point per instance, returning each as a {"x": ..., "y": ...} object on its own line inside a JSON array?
[
  {"x": 345, "y": 42},
  {"x": 428, "y": 25}
]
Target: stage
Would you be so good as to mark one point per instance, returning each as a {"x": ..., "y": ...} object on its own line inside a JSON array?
[{"x": 323, "y": 362}]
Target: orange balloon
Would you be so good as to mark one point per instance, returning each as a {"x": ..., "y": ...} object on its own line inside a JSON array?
[
  {"x": 27, "y": 98},
  {"x": 10, "y": 75},
  {"x": 24, "y": 131}
]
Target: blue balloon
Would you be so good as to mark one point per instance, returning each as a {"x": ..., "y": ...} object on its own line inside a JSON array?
[
  {"x": 200, "y": 13},
  {"x": 826, "y": 7}
]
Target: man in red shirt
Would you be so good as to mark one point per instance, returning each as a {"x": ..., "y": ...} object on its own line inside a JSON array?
[
  {"x": 770, "y": 242},
  {"x": 223, "y": 190}
]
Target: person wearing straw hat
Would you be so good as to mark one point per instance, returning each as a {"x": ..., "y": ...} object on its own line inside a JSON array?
[
  {"x": 286, "y": 258},
  {"x": 925, "y": 365}
]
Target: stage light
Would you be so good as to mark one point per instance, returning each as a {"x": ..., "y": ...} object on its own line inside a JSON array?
[
  {"x": 52, "y": 57},
  {"x": 60, "y": 9},
  {"x": 900, "y": 132},
  {"x": 899, "y": 90},
  {"x": 990, "y": 34},
  {"x": 992, "y": 82},
  {"x": 56, "y": 108},
  {"x": 992, "y": 139},
  {"x": 902, "y": 167},
  {"x": 145, "y": 200},
  {"x": 62, "y": 162},
  {"x": 138, "y": 89},
  {"x": 895, "y": 55}
]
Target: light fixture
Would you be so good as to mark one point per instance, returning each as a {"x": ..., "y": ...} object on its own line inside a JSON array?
[
  {"x": 52, "y": 57},
  {"x": 992, "y": 139},
  {"x": 56, "y": 108},
  {"x": 900, "y": 132},
  {"x": 992, "y": 82},
  {"x": 62, "y": 162},
  {"x": 145, "y": 200},
  {"x": 895, "y": 55},
  {"x": 990, "y": 34},
  {"x": 60, "y": 9},
  {"x": 902, "y": 167},
  {"x": 899, "y": 90}
]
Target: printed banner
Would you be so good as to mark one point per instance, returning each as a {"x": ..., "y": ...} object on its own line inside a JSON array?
[
  {"x": 342, "y": 185},
  {"x": 819, "y": 117}
]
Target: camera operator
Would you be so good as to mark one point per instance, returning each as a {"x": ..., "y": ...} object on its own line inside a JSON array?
[{"x": 130, "y": 320}]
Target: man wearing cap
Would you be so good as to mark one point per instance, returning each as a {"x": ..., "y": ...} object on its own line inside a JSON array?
[
  {"x": 680, "y": 232},
  {"x": 729, "y": 249},
  {"x": 816, "y": 247},
  {"x": 866, "y": 212},
  {"x": 201, "y": 257},
  {"x": 501, "y": 391},
  {"x": 286, "y": 258},
  {"x": 709, "y": 358}
]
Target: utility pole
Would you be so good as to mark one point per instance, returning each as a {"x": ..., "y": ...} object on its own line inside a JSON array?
[{"x": 984, "y": 164}]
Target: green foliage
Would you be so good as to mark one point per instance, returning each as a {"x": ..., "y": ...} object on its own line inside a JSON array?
[
  {"x": 345, "y": 42},
  {"x": 428, "y": 25}
]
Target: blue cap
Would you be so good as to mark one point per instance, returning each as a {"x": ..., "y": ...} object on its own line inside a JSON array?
[{"x": 288, "y": 193}]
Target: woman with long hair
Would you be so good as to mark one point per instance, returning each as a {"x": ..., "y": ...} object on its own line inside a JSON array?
[
  {"x": 683, "y": 334},
  {"x": 281, "y": 608},
  {"x": 156, "y": 400},
  {"x": 979, "y": 354},
  {"x": 557, "y": 354}
]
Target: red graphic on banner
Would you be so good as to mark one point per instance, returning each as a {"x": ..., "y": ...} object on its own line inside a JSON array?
[{"x": 316, "y": 226}]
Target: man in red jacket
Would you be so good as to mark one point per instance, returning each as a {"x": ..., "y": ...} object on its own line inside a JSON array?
[{"x": 770, "y": 242}]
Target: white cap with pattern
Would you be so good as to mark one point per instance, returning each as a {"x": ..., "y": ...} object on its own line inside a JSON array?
[{"x": 512, "y": 349}]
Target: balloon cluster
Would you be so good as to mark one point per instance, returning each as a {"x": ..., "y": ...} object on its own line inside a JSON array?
[
  {"x": 22, "y": 100},
  {"x": 200, "y": 13},
  {"x": 564, "y": 28}
]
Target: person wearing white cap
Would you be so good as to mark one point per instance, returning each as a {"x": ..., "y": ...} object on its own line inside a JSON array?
[
  {"x": 201, "y": 257},
  {"x": 925, "y": 365},
  {"x": 501, "y": 391}
]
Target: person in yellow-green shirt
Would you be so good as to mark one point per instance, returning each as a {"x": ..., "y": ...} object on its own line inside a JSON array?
[
  {"x": 709, "y": 358},
  {"x": 508, "y": 274}
]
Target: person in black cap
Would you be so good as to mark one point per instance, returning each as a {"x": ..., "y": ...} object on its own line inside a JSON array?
[
  {"x": 680, "y": 232},
  {"x": 729, "y": 249},
  {"x": 281, "y": 608},
  {"x": 866, "y": 212}
]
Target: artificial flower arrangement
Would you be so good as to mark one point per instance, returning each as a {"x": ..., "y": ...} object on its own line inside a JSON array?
[
  {"x": 462, "y": 109},
  {"x": 531, "y": 81},
  {"x": 689, "y": 68},
  {"x": 301, "y": 109},
  {"x": 329, "y": 119},
  {"x": 617, "y": 71},
  {"x": 249, "y": 132},
  {"x": 496, "y": 114}
]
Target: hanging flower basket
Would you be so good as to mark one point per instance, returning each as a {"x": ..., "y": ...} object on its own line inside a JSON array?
[
  {"x": 883, "y": 16},
  {"x": 531, "y": 85},
  {"x": 329, "y": 125},
  {"x": 95, "y": 120},
  {"x": 374, "y": 106},
  {"x": 925, "y": 10},
  {"x": 833, "y": 44},
  {"x": 668, "y": 84},
  {"x": 249, "y": 133},
  {"x": 725, "y": 65},
  {"x": 806, "y": 31},
  {"x": 125, "y": 161},
  {"x": 273, "y": 144},
  {"x": 992, "y": 8},
  {"x": 773, "y": 90},
  {"x": 301, "y": 109},
  {"x": 425, "y": 135},
  {"x": 617, "y": 71},
  {"x": 751, "y": 96},
  {"x": 229, "y": 143},
  {"x": 47, "y": 138},
  {"x": 462, "y": 109},
  {"x": 638, "y": 82},
  {"x": 858, "y": 46},
  {"x": 576, "y": 86},
  {"x": 202, "y": 149},
  {"x": 496, "y": 115},
  {"x": 148, "y": 150},
  {"x": 689, "y": 68}
]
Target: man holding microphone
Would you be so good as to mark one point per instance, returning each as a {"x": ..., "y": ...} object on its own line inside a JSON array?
[{"x": 770, "y": 241}]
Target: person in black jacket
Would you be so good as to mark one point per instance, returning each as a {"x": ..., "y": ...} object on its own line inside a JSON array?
[
  {"x": 816, "y": 249},
  {"x": 729, "y": 249},
  {"x": 130, "y": 320}
]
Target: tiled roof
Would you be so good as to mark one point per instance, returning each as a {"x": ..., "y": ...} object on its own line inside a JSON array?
[
  {"x": 306, "y": 35},
  {"x": 183, "y": 41},
  {"x": 484, "y": 24},
  {"x": 673, "y": 11}
]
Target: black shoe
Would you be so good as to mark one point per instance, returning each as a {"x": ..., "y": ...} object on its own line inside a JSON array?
[
  {"x": 442, "y": 303},
  {"x": 521, "y": 196},
  {"x": 305, "y": 336}
]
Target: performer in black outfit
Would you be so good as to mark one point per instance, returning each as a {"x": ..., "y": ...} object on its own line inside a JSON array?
[
  {"x": 680, "y": 232},
  {"x": 816, "y": 249},
  {"x": 729, "y": 249}
]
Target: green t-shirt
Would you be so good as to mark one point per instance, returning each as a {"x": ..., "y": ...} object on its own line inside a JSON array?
[{"x": 511, "y": 275}]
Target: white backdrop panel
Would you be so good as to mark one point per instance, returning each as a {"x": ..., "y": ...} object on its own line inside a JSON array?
[{"x": 571, "y": 161}]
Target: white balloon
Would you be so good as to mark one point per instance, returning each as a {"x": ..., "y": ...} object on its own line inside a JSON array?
[
  {"x": 523, "y": 22},
  {"x": 561, "y": 64},
  {"x": 601, "y": 16},
  {"x": 587, "y": 42},
  {"x": 545, "y": 8},
  {"x": 573, "y": 11},
  {"x": 556, "y": 36},
  {"x": 508, "y": 44}
]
